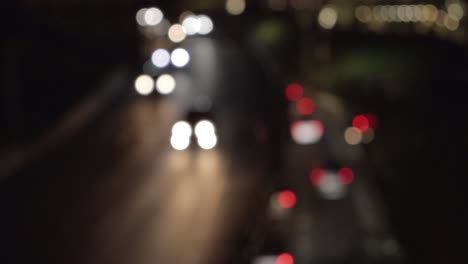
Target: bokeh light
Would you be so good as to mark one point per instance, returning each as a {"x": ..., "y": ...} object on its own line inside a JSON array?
[
  {"x": 417, "y": 13},
  {"x": 345, "y": 176},
  {"x": 235, "y": 7},
  {"x": 330, "y": 187},
  {"x": 165, "y": 84},
  {"x": 144, "y": 84},
  {"x": 204, "y": 127},
  {"x": 430, "y": 13},
  {"x": 153, "y": 16},
  {"x": 451, "y": 22},
  {"x": 285, "y": 258},
  {"x": 206, "y": 25},
  {"x": 206, "y": 136},
  {"x": 180, "y": 57},
  {"x": 160, "y": 58},
  {"x": 363, "y": 14},
  {"x": 207, "y": 141},
  {"x": 317, "y": 176},
  {"x": 361, "y": 123},
  {"x": 392, "y": 14},
  {"x": 191, "y": 25},
  {"x": 307, "y": 131},
  {"x": 181, "y": 132},
  {"x": 140, "y": 17},
  {"x": 182, "y": 128},
  {"x": 179, "y": 142},
  {"x": 328, "y": 17},
  {"x": 294, "y": 92},
  {"x": 287, "y": 199},
  {"x": 456, "y": 10},
  {"x": 352, "y": 136},
  {"x": 176, "y": 33},
  {"x": 305, "y": 106}
]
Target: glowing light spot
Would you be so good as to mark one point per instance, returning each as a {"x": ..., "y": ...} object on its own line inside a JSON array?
[
  {"x": 176, "y": 33},
  {"x": 363, "y": 14},
  {"x": 294, "y": 92},
  {"x": 191, "y": 25},
  {"x": 180, "y": 57},
  {"x": 345, "y": 176},
  {"x": 392, "y": 14},
  {"x": 352, "y": 136},
  {"x": 206, "y": 25},
  {"x": 182, "y": 128},
  {"x": 144, "y": 84},
  {"x": 401, "y": 13},
  {"x": 384, "y": 13},
  {"x": 317, "y": 176},
  {"x": 206, "y": 136},
  {"x": 181, "y": 132},
  {"x": 451, "y": 22},
  {"x": 376, "y": 13},
  {"x": 153, "y": 16},
  {"x": 417, "y": 13},
  {"x": 361, "y": 123},
  {"x": 165, "y": 84},
  {"x": 305, "y": 106},
  {"x": 368, "y": 136},
  {"x": 328, "y": 17},
  {"x": 287, "y": 199},
  {"x": 285, "y": 258},
  {"x": 456, "y": 10},
  {"x": 430, "y": 13},
  {"x": 409, "y": 13},
  {"x": 140, "y": 17},
  {"x": 235, "y": 7},
  {"x": 180, "y": 142},
  {"x": 307, "y": 132},
  {"x": 204, "y": 127},
  {"x": 160, "y": 58},
  {"x": 207, "y": 141},
  {"x": 331, "y": 188}
]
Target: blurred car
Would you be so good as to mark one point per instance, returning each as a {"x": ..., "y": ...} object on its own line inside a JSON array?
[{"x": 198, "y": 127}]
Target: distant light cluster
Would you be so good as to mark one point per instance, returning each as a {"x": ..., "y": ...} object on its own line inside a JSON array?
[
  {"x": 149, "y": 16},
  {"x": 153, "y": 24},
  {"x": 427, "y": 14},
  {"x": 332, "y": 185},
  {"x": 201, "y": 24},
  {"x": 362, "y": 129}
]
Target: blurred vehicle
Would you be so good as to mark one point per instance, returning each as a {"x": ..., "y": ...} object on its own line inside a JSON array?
[{"x": 199, "y": 127}]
